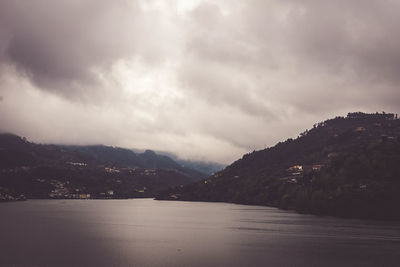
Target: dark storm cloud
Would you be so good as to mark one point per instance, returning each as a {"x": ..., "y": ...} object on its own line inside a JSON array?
[
  {"x": 361, "y": 35},
  {"x": 60, "y": 44},
  {"x": 356, "y": 40},
  {"x": 345, "y": 51},
  {"x": 201, "y": 78},
  {"x": 217, "y": 87}
]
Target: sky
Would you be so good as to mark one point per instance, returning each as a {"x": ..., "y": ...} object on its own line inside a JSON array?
[{"x": 205, "y": 80}]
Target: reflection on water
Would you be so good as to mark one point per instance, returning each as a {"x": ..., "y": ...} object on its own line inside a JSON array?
[{"x": 145, "y": 232}]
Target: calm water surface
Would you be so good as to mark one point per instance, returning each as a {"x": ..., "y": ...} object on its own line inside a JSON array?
[{"x": 146, "y": 232}]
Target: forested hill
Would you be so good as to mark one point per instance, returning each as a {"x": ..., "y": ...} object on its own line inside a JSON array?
[
  {"x": 53, "y": 171},
  {"x": 346, "y": 166},
  {"x": 122, "y": 157}
]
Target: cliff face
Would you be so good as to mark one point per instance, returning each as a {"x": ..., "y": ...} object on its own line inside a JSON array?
[{"x": 346, "y": 166}]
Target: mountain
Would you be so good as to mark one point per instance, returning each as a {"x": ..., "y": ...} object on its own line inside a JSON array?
[
  {"x": 346, "y": 166},
  {"x": 128, "y": 158},
  {"x": 202, "y": 166},
  {"x": 54, "y": 171},
  {"x": 206, "y": 167}
]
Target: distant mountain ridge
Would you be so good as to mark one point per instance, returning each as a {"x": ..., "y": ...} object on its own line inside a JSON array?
[
  {"x": 206, "y": 167},
  {"x": 123, "y": 157},
  {"x": 59, "y": 171},
  {"x": 346, "y": 166}
]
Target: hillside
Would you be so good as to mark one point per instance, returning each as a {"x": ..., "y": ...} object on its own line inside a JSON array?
[
  {"x": 29, "y": 170},
  {"x": 201, "y": 166},
  {"x": 346, "y": 166},
  {"x": 122, "y": 157}
]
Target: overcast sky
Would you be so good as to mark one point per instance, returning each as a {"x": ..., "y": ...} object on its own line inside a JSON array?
[{"x": 207, "y": 80}]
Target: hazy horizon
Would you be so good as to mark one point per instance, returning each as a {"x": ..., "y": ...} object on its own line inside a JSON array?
[{"x": 204, "y": 80}]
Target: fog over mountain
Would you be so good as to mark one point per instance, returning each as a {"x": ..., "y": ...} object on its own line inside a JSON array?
[{"x": 205, "y": 80}]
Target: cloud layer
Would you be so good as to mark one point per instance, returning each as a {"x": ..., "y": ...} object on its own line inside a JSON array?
[{"x": 207, "y": 80}]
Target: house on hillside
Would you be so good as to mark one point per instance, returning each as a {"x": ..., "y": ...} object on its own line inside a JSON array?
[
  {"x": 317, "y": 167},
  {"x": 112, "y": 170},
  {"x": 295, "y": 168}
]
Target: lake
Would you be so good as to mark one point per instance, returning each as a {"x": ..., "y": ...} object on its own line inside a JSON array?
[{"x": 145, "y": 232}]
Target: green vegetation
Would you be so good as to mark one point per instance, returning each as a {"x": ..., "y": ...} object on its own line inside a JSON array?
[
  {"x": 346, "y": 166},
  {"x": 29, "y": 170}
]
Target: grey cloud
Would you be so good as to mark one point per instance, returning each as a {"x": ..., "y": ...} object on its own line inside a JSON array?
[
  {"x": 221, "y": 76},
  {"x": 59, "y": 44},
  {"x": 332, "y": 34},
  {"x": 357, "y": 42},
  {"x": 363, "y": 36},
  {"x": 349, "y": 47},
  {"x": 218, "y": 86}
]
